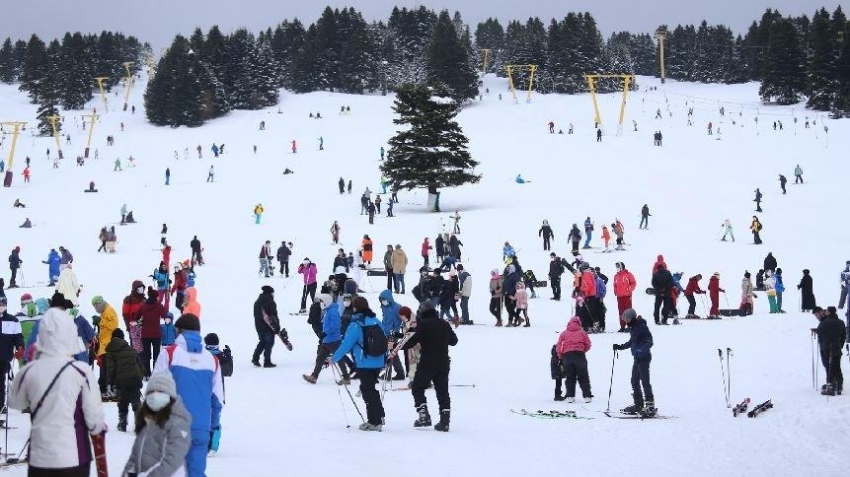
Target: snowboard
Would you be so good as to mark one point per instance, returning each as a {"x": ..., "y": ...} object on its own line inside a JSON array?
[
  {"x": 274, "y": 324},
  {"x": 550, "y": 414},
  {"x": 650, "y": 291},
  {"x": 730, "y": 312},
  {"x": 99, "y": 446},
  {"x": 376, "y": 273}
]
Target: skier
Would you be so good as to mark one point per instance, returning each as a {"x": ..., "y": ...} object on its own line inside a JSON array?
[
  {"x": 727, "y": 230},
  {"x": 321, "y": 143},
  {"x": 456, "y": 218},
  {"x": 798, "y": 174},
  {"x": 782, "y": 182},
  {"x": 283, "y": 254},
  {"x": 547, "y": 234},
  {"x": 211, "y": 174},
  {"x": 167, "y": 176},
  {"x": 588, "y": 232},
  {"x": 349, "y": 186},
  {"x": 309, "y": 272},
  {"x": 575, "y": 238},
  {"x": 619, "y": 231},
  {"x": 14, "y": 264},
  {"x": 757, "y": 200},
  {"x": 435, "y": 336},
  {"x": 335, "y": 233},
  {"x": 258, "y": 213},
  {"x": 341, "y": 186},
  {"x": 624, "y": 286},
  {"x": 807, "y": 302},
  {"x": 710, "y": 127},
  {"x": 265, "y": 258},
  {"x": 831, "y": 334},
  {"x": 691, "y": 289},
  {"x": 368, "y": 366},
  {"x": 640, "y": 342},
  {"x": 755, "y": 228},
  {"x": 195, "y": 245},
  {"x": 573, "y": 345},
  {"x": 294, "y": 147},
  {"x": 747, "y": 295},
  {"x": 662, "y": 284},
  {"x": 331, "y": 338},
  {"x": 606, "y": 236},
  {"x": 714, "y": 291},
  {"x": 644, "y": 217}
]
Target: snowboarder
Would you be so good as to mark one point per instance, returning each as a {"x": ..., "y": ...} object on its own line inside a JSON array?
[
  {"x": 798, "y": 174},
  {"x": 806, "y": 288},
  {"x": 264, "y": 307},
  {"x": 547, "y": 234},
  {"x": 644, "y": 217},
  {"x": 755, "y": 228},
  {"x": 831, "y": 334},
  {"x": 640, "y": 342},
  {"x": 757, "y": 200},
  {"x": 435, "y": 336},
  {"x": 782, "y": 182},
  {"x": 714, "y": 291},
  {"x": 520, "y": 180},
  {"x": 573, "y": 345},
  {"x": 727, "y": 230}
]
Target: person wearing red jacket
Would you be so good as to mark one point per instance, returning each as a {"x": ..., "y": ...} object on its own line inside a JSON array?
[
  {"x": 587, "y": 286},
  {"x": 150, "y": 314},
  {"x": 132, "y": 303},
  {"x": 572, "y": 345},
  {"x": 426, "y": 250},
  {"x": 714, "y": 294},
  {"x": 691, "y": 289},
  {"x": 624, "y": 286},
  {"x": 179, "y": 286}
]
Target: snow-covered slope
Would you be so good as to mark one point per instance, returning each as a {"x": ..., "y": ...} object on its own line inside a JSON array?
[{"x": 275, "y": 422}]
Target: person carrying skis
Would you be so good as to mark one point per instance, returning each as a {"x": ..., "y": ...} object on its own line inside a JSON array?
[
  {"x": 309, "y": 271},
  {"x": 831, "y": 334},
  {"x": 575, "y": 238},
  {"x": 727, "y": 230},
  {"x": 588, "y": 232},
  {"x": 714, "y": 291},
  {"x": 547, "y": 234},
  {"x": 691, "y": 289},
  {"x": 798, "y": 174},
  {"x": 640, "y": 342},
  {"x": 755, "y": 228},
  {"x": 435, "y": 336},
  {"x": 644, "y": 217},
  {"x": 624, "y": 286},
  {"x": 573, "y": 345},
  {"x": 368, "y": 366}
]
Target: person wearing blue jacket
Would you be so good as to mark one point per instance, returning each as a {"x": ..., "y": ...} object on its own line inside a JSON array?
[
  {"x": 779, "y": 286},
  {"x": 640, "y": 342},
  {"x": 331, "y": 338},
  {"x": 52, "y": 266},
  {"x": 368, "y": 367},
  {"x": 508, "y": 251},
  {"x": 391, "y": 324}
]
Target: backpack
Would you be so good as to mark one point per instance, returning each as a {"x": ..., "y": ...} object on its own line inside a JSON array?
[
  {"x": 374, "y": 341},
  {"x": 225, "y": 360}
]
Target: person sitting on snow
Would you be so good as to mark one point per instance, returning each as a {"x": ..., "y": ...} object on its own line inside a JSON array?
[
  {"x": 519, "y": 179},
  {"x": 26, "y": 225}
]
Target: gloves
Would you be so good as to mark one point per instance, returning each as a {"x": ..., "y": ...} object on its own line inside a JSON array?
[
  {"x": 398, "y": 335},
  {"x": 616, "y": 347}
]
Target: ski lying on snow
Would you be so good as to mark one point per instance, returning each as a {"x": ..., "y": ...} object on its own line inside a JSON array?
[
  {"x": 550, "y": 414},
  {"x": 618, "y": 415}
]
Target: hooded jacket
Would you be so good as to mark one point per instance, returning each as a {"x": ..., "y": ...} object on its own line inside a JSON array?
[
  {"x": 150, "y": 312},
  {"x": 331, "y": 324},
  {"x": 624, "y": 283},
  {"x": 71, "y": 410},
  {"x": 574, "y": 338},
  {"x": 435, "y": 336},
  {"x": 521, "y": 296},
  {"x": 108, "y": 323},
  {"x": 659, "y": 261},
  {"x": 191, "y": 304},
  {"x": 640, "y": 338},
  {"x": 309, "y": 273},
  {"x": 352, "y": 342},
  {"x": 132, "y": 303},
  {"x": 391, "y": 322},
  {"x": 122, "y": 365},
  {"x": 714, "y": 287},
  {"x": 68, "y": 285},
  {"x": 264, "y": 305},
  {"x": 161, "y": 451},
  {"x": 53, "y": 264}
]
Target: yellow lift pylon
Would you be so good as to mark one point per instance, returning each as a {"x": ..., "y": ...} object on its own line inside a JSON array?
[
  {"x": 127, "y": 65},
  {"x": 16, "y": 131},
  {"x": 92, "y": 120},
  {"x": 591, "y": 83},
  {"x": 54, "y": 120},
  {"x": 100, "y": 80},
  {"x": 485, "y": 57},
  {"x": 532, "y": 69}
]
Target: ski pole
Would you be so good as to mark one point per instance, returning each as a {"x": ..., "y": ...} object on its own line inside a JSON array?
[
  {"x": 814, "y": 380},
  {"x": 704, "y": 308},
  {"x": 341, "y": 402},
  {"x": 611, "y": 383},
  {"x": 729, "y": 373},
  {"x": 723, "y": 373}
]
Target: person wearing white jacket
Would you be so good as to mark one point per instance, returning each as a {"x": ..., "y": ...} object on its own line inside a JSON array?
[
  {"x": 465, "y": 292},
  {"x": 770, "y": 289},
  {"x": 68, "y": 286},
  {"x": 64, "y": 400}
]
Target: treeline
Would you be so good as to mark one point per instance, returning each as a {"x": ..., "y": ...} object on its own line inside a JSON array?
[{"x": 61, "y": 74}]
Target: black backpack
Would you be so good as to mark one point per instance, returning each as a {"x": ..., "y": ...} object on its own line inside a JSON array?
[
  {"x": 225, "y": 360},
  {"x": 374, "y": 341}
]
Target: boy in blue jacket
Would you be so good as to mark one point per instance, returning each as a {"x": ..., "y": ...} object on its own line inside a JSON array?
[
  {"x": 391, "y": 324},
  {"x": 640, "y": 342},
  {"x": 368, "y": 367},
  {"x": 331, "y": 338}
]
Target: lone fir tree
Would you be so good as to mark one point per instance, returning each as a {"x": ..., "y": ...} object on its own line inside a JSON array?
[{"x": 432, "y": 152}]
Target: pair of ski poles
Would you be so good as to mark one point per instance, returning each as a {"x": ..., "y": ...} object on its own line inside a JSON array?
[
  {"x": 727, "y": 383},
  {"x": 814, "y": 361}
]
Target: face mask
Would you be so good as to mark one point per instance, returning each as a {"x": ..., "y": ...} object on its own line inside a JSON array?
[
  {"x": 2, "y": 309},
  {"x": 156, "y": 401},
  {"x": 385, "y": 303},
  {"x": 347, "y": 303},
  {"x": 140, "y": 290}
]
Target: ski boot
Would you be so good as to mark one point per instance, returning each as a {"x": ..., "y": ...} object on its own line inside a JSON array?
[
  {"x": 424, "y": 418},
  {"x": 269, "y": 364},
  {"x": 632, "y": 410},
  {"x": 498, "y": 323},
  {"x": 309, "y": 378},
  {"x": 648, "y": 410},
  {"x": 122, "y": 422},
  {"x": 559, "y": 396},
  {"x": 370, "y": 427},
  {"x": 570, "y": 399},
  {"x": 664, "y": 321},
  {"x": 445, "y": 417},
  {"x": 828, "y": 391},
  {"x": 527, "y": 323},
  {"x": 676, "y": 321},
  {"x": 588, "y": 399}
]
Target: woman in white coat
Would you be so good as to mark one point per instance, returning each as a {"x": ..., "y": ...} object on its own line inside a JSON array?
[
  {"x": 64, "y": 400},
  {"x": 68, "y": 286}
]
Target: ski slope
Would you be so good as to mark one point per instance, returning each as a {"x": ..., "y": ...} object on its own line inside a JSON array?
[{"x": 274, "y": 422}]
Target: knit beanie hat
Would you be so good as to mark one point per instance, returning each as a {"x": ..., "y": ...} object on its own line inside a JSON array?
[
  {"x": 162, "y": 382},
  {"x": 211, "y": 339},
  {"x": 267, "y": 290},
  {"x": 118, "y": 333},
  {"x": 188, "y": 322},
  {"x": 94, "y": 301},
  {"x": 405, "y": 312}
]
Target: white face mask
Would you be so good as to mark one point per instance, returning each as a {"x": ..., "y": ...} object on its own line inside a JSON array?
[
  {"x": 347, "y": 303},
  {"x": 385, "y": 303},
  {"x": 140, "y": 290},
  {"x": 156, "y": 400}
]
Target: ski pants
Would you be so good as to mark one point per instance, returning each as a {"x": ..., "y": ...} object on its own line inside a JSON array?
[
  {"x": 308, "y": 290},
  {"x": 715, "y": 304},
  {"x": 5, "y": 366},
  {"x": 575, "y": 246},
  {"x": 831, "y": 360},
  {"x": 798, "y": 179},
  {"x": 771, "y": 299},
  {"x": 390, "y": 277},
  {"x": 594, "y": 307},
  {"x": 264, "y": 346},
  {"x": 436, "y": 372},
  {"x": 164, "y": 298},
  {"x": 640, "y": 377},
  {"x": 464, "y": 309},
  {"x": 326, "y": 350},
  {"x": 371, "y": 396},
  {"x": 128, "y": 398},
  {"x": 644, "y": 222},
  {"x": 79, "y": 471},
  {"x": 150, "y": 349},
  {"x": 575, "y": 366},
  {"x": 843, "y": 298},
  {"x": 496, "y": 307},
  {"x": 664, "y": 303},
  {"x": 587, "y": 236},
  {"x": 284, "y": 268},
  {"x": 556, "y": 287},
  {"x": 196, "y": 458},
  {"x": 729, "y": 233},
  {"x": 258, "y": 218},
  {"x": 623, "y": 304},
  {"x": 14, "y": 276},
  {"x": 692, "y": 304},
  {"x": 756, "y": 238},
  {"x": 264, "y": 266},
  {"x": 546, "y": 244}
]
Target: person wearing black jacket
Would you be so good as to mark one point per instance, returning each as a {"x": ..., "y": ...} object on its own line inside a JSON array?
[
  {"x": 555, "y": 272},
  {"x": 640, "y": 342},
  {"x": 831, "y": 334},
  {"x": 283, "y": 254},
  {"x": 11, "y": 338},
  {"x": 547, "y": 234},
  {"x": 575, "y": 238},
  {"x": 265, "y": 307},
  {"x": 430, "y": 287},
  {"x": 341, "y": 261},
  {"x": 770, "y": 263},
  {"x": 662, "y": 283},
  {"x": 14, "y": 264},
  {"x": 440, "y": 244},
  {"x": 435, "y": 336},
  {"x": 195, "y": 245}
]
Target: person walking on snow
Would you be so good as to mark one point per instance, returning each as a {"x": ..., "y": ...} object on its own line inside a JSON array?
[
  {"x": 624, "y": 286},
  {"x": 606, "y": 236},
  {"x": 167, "y": 176},
  {"x": 265, "y": 258},
  {"x": 588, "y": 232},
  {"x": 573, "y": 345},
  {"x": 547, "y": 234},
  {"x": 211, "y": 174},
  {"x": 757, "y": 200},
  {"x": 727, "y": 230},
  {"x": 644, "y": 217},
  {"x": 258, "y": 213},
  {"x": 714, "y": 291},
  {"x": 782, "y": 182},
  {"x": 575, "y": 238},
  {"x": 341, "y": 186},
  {"x": 309, "y": 271},
  {"x": 806, "y": 288},
  {"x": 640, "y": 342},
  {"x": 335, "y": 233},
  {"x": 831, "y": 334},
  {"x": 755, "y": 228},
  {"x": 294, "y": 147},
  {"x": 798, "y": 174}
]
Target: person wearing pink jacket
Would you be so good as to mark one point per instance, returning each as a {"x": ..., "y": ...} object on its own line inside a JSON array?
[
  {"x": 521, "y": 297},
  {"x": 571, "y": 348},
  {"x": 309, "y": 271}
]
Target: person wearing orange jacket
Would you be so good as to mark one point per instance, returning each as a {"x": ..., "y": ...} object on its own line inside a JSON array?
[
  {"x": 624, "y": 286},
  {"x": 587, "y": 286},
  {"x": 606, "y": 237},
  {"x": 192, "y": 306},
  {"x": 367, "y": 250}
]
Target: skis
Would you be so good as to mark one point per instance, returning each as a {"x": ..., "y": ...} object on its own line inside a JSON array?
[
  {"x": 617, "y": 415},
  {"x": 99, "y": 445},
  {"x": 760, "y": 408},
  {"x": 741, "y": 408},
  {"x": 550, "y": 414}
]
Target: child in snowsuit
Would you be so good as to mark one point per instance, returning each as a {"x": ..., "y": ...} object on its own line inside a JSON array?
[
  {"x": 557, "y": 372},
  {"x": 124, "y": 376},
  {"x": 521, "y": 297},
  {"x": 530, "y": 281},
  {"x": 573, "y": 343}
]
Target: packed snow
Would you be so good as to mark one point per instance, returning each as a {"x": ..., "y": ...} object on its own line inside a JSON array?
[{"x": 274, "y": 422}]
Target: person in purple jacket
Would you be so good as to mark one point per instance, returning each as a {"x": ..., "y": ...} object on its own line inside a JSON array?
[{"x": 308, "y": 269}]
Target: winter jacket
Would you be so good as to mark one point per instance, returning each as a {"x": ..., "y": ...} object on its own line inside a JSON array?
[
  {"x": 352, "y": 342},
  {"x": 546, "y": 232},
  {"x": 575, "y": 235},
  {"x": 161, "y": 451},
  {"x": 555, "y": 368},
  {"x": 770, "y": 285},
  {"x": 391, "y": 322},
  {"x": 588, "y": 284},
  {"x": 162, "y": 279},
  {"x": 399, "y": 261},
  {"x": 309, "y": 272},
  {"x": 149, "y": 314},
  {"x": 265, "y": 251},
  {"x": 426, "y": 248},
  {"x": 68, "y": 286},
  {"x": 755, "y": 226},
  {"x": 574, "y": 338},
  {"x": 440, "y": 243},
  {"x": 521, "y": 296},
  {"x": 66, "y": 257},
  {"x": 496, "y": 287},
  {"x": 191, "y": 304},
  {"x": 508, "y": 251},
  {"x": 555, "y": 269},
  {"x": 659, "y": 261},
  {"x": 808, "y": 297},
  {"x": 454, "y": 246},
  {"x": 662, "y": 282},
  {"x": 15, "y": 260},
  {"x": 831, "y": 334},
  {"x": 601, "y": 288},
  {"x": 779, "y": 284},
  {"x": 86, "y": 334},
  {"x": 168, "y": 332},
  {"x": 448, "y": 291},
  {"x": 509, "y": 282},
  {"x": 179, "y": 282},
  {"x": 367, "y": 250},
  {"x": 798, "y": 171},
  {"x": 747, "y": 290},
  {"x": 53, "y": 264},
  {"x": 108, "y": 323},
  {"x": 465, "y": 281},
  {"x": 714, "y": 287},
  {"x": 264, "y": 305},
  {"x": 283, "y": 253},
  {"x": 640, "y": 339},
  {"x": 132, "y": 303},
  {"x": 71, "y": 410},
  {"x": 122, "y": 365},
  {"x": 624, "y": 283},
  {"x": 770, "y": 262},
  {"x": 11, "y": 336},
  {"x": 435, "y": 336},
  {"x": 331, "y": 324},
  {"x": 693, "y": 287},
  {"x": 198, "y": 377}
]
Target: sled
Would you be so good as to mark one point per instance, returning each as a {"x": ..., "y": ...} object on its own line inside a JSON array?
[
  {"x": 541, "y": 284},
  {"x": 376, "y": 273},
  {"x": 730, "y": 312}
]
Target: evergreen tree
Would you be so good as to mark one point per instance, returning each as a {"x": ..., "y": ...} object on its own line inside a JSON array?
[
  {"x": 359, "y": 59},
  {"x": 175, "y": 96},
  {"x": 20, "y": 56},
  {"x": 264, "y": 76},
  {"x": 77, "y": 77},
  {"x": 7, "y": 62},
  {"x": 34, "y": 67},
  {"x": 491, "y": 35},
  {"x": 783, "y": 79},
  {"x": 50, "y": 91},
  {"x": 822, "y": 84},
  {"x": 841, "y": 27},
  {"x": 287, "y": 43},
  {"x": 432, "y": 151},
  {"x": 449, "y": 62}
]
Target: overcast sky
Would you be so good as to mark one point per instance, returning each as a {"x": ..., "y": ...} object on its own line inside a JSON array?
[{"x": 157, "y": 21}]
